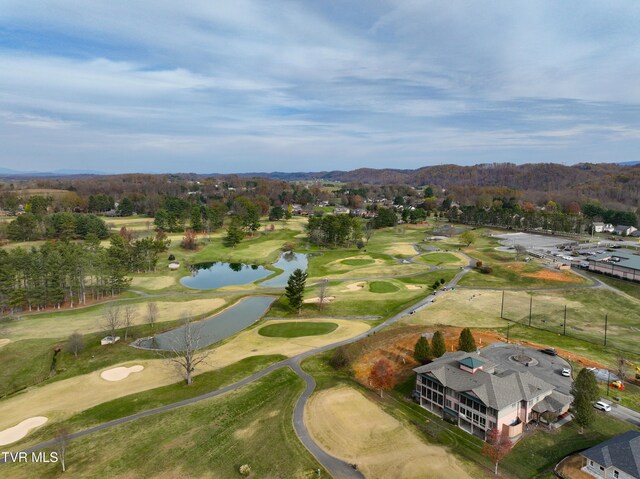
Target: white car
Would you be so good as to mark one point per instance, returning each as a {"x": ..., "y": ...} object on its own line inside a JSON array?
[
  {"x": 603, "y": 406},
  {"x": 566, "y": 372}
]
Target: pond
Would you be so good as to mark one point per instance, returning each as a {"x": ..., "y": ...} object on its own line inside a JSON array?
[
  {"x": 217, "y": 274},
  {"x": 216, "y": 328}
]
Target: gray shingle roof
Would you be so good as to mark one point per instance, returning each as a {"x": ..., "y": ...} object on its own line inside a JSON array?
[
  {"x": 494, "y": 390},
  {"x": 621, "y": 452}
]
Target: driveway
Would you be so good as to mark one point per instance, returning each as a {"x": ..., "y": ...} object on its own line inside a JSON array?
[{"x": 546, "y": 367}]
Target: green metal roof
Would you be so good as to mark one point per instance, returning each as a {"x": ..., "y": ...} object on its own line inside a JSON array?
[{"x": 471, "y": 362}]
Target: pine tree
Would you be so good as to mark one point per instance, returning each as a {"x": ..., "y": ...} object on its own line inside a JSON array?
[
  {"x": 234, "y": 233},
  {"x": 422, "y": 351},
  {"x": 585, "y": 385},
  {"x": 438, "y": 347},
  {"x": 466, "y": 341},
  {"x": 295, "y": 289},
  {"x": 583, "y": 412}
]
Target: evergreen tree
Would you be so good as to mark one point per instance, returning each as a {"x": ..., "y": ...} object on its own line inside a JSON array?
[
  {"x": 438, "y": 346},
  {"x": 125, "y": 208},
  {"x": 585, "y": 385},
  {"x": 234, "y": 233},
  {"x": 583, "y": 412},
  {"x": 422, "y": 351},
  {"x": 466, "y": 341},
  {"x": 295, "y": 289}
]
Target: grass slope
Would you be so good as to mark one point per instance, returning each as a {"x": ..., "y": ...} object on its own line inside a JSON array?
[
  {"x": 296, "y": 330},
  {"x": 209, "y": 439}
]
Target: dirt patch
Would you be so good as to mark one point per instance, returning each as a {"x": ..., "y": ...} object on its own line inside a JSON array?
[
  {"x": 570, "y": 468},
  {"x": 4, "y": 341},
  {"x": 412, "y": 287},
  {"x": 404, "y": 249},
  {"x": 316, "y": 300},
  {"x": 352, "y": 427},
  {"x": 398, "y": 349},
  {"x": 545, "y": 274}
]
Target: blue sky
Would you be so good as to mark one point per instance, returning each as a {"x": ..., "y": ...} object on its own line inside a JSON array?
[{"x": 237, "y": 86}]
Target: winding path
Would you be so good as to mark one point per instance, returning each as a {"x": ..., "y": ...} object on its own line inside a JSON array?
[{"x": 336, "y": 467}]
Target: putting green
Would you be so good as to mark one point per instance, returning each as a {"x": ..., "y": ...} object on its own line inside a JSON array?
[
  {"x": 382, "y": 287},
  {"x": 357, "y": 262},
  {"x": 296, "y": 330}
]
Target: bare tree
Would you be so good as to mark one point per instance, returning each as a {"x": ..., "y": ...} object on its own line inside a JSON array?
[
  {"x": 152, "y": 314},
  {"x": 111, "y": 320},
  {"x": 75, "y": 344},
  {"x": 184, "y": 353},
  {"x": 62, "y": 440},
  {"x": 322, "y": 293},
  {"x": 130, "y": 313},
  {"x": 520, "y": 251},
  {"x": 368, "y": 231},
  {"x": 621, "y": 367}
]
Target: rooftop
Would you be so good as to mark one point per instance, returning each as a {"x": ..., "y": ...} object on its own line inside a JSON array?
[
  {"x": 621, "y": 452},
  {"x": 622, "y": 257},
  {"x": 471, "y": 362}
]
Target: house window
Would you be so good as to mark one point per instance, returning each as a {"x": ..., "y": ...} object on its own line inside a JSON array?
[{"x": 590, "y": 463}]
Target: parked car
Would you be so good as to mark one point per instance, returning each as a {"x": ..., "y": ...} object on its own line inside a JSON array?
[
  {"x": 603, "y": 406},
  {"x": 566, "y": 372},
  {"x": 549, "y": 351}
]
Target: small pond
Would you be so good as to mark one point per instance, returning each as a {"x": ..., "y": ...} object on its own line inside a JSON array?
[
  {"x": 216, "y": 328},
  {"x": 217, "y": 274}
]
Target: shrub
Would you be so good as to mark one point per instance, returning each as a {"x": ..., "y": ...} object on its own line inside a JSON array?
[
  {"x": 486, "y": 270},
  {"x": 172, "y": 257},
  {"x": 245, "y": 469},
  {"x": 288, "y": 246},
  {"x": 341, "y": 358},
  {"x": 478, "y": 264}
]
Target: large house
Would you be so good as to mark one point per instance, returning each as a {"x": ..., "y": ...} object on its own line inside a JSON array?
[
  {"x": 465, "y": 389},
  {"x": 617, "y": 458},
  {"x": 623, "y": 263},
  {"x": 599, "y": 227}
]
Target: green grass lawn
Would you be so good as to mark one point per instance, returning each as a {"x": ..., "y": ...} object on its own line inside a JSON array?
[
  {"x": 438, "y": 259},
  {"x": 541, "y": 451},
  {"x": 382, "y": 287},
  {"x": 431, "y": 277},
  {"x": 517, "y": 275},
  {"x": 629, "y": 287},
  {"x": 296, "y": 330},
  {"x": 212, "y": 438}
]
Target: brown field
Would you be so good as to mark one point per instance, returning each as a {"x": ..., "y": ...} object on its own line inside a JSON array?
[
  {"x": 352, "y": 427},
  {"x": 546, "y": 274}
]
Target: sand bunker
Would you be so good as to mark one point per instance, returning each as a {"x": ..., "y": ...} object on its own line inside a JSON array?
[
  {"x": 118, "y": 374},
  {"x": 19, "y": 431},
  {"x": 412, "y": 287},
  {"x": 4, "y": 341},
  {"x": 352, "y": 427},
  {"x": 316, "y": 300},
  {"x": 354, "y": 287}
]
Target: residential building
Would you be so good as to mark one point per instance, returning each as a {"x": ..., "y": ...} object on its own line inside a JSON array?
[
  {"x": 465, "y": 389},
  {"x": 624, "y": 230},
  {"x": 599, "y": 227},
  {"x": 617, "y": 458},
  {"x": 623, "y": 263}
]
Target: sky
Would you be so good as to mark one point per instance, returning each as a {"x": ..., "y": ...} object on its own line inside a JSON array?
[{"x": 244, "y": 86}]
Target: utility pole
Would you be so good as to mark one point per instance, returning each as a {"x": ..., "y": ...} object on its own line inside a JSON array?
[
  {"x": 508, "y": 328},
  {"x": 564, "y": 326},
  {"x": 606, "y": 317},
  {"x": 608, "y": 382},
  {"x": 530, "y": 308},
  {"x": 502, "y": 306}
]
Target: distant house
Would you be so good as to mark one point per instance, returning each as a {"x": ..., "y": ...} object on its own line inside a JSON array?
[
  {"x": 617, "y": 458},
  {"x": 465, "y": 389},
  {"x": 623, "y": 230},
  {"x": 341, "y": 210},
  {"x": 599, "y": 227}
]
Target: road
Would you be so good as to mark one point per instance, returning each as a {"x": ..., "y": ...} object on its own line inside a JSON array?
[{"x": 622, "y": 413}]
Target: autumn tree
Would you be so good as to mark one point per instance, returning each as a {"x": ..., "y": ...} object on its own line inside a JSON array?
[
  {"x": 438, "y": 346},
  {"x": 496, "y": 447},
  {"x": 468, "y": 237},
  {"x": 382, "y": 375},
  {"x": 466, "y": 342},
  {"x": 190, "y": 240},
  {"x": 422, "y": 351}
]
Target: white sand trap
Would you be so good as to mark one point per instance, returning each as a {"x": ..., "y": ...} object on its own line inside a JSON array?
[
  {"x": 354, "y": 287},
  {"x": 118, "y": 374},
  {"x": 4, "y": 341},
  {"x": 19, "y": 431},
  {"x": 316, "y": 300},
  {"x": 412, "y": 287}
]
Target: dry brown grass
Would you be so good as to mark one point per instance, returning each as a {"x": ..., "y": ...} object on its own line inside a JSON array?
[{"x": 350, "y": 426}]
